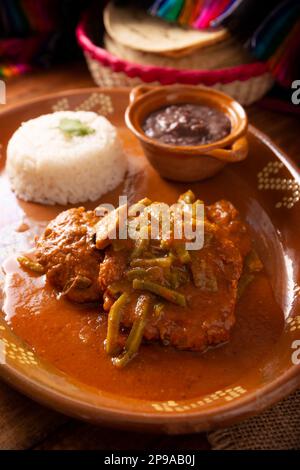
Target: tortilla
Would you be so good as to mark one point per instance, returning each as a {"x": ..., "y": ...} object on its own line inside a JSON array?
[
  {"x": 136, "y": 29},
  {"x": 226, "y": 54}
]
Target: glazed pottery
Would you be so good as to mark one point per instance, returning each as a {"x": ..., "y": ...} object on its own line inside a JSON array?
[
  {"x": 264, "y": 188},
  {"x": 188, "y": 163}
]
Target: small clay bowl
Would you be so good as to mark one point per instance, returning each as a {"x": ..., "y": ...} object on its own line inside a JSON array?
[{"x": 188, "y": 163}]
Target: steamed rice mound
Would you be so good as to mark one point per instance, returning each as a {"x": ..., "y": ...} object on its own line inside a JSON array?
[{"x": 46, "y": 166}]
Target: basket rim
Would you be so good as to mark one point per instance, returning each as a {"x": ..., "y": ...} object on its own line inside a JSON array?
[{"x": 165, "y": 75}]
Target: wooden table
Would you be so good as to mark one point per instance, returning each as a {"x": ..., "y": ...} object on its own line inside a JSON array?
[{"x": 23, "y": 423}]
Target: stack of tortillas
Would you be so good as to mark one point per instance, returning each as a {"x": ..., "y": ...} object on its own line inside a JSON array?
[{"x": 135, "y": 36}]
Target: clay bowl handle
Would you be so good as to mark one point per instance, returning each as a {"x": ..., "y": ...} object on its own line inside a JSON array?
[
  {"x": 236, "y": 153},
  {"x": 138, "y": 91}
]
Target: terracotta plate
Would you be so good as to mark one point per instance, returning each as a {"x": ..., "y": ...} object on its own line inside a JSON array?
[{"x": 264, "y": 188}]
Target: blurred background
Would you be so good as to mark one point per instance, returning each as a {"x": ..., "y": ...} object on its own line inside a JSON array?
[
  {"x": 247, "y": 48},
  {"x": 219, "y": 42}
]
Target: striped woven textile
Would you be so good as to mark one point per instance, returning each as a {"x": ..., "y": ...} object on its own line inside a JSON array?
[{"x": 36, "y": 32}]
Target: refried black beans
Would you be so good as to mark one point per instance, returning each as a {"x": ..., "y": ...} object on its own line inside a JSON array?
[{"x": 187, "y": 124}]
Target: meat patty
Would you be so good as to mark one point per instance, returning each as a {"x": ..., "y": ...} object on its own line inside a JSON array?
[
  {"x": 67, "y": 251},
  {"x": 211, "y": 292},
  {"x": 84, "y": 273}
]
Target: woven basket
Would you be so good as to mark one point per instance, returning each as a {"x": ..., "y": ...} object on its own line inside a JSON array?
[{"x": 246, "y": 83}]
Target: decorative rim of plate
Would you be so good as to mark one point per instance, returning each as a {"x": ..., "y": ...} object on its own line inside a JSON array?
[{"x": 202, "y": 419}]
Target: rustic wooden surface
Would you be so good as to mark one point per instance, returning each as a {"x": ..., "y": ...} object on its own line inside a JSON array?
[{"x": 23, "y": 423}]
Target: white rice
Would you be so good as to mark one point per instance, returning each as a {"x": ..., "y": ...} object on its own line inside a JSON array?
[{"x": 47, "y": 167}]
